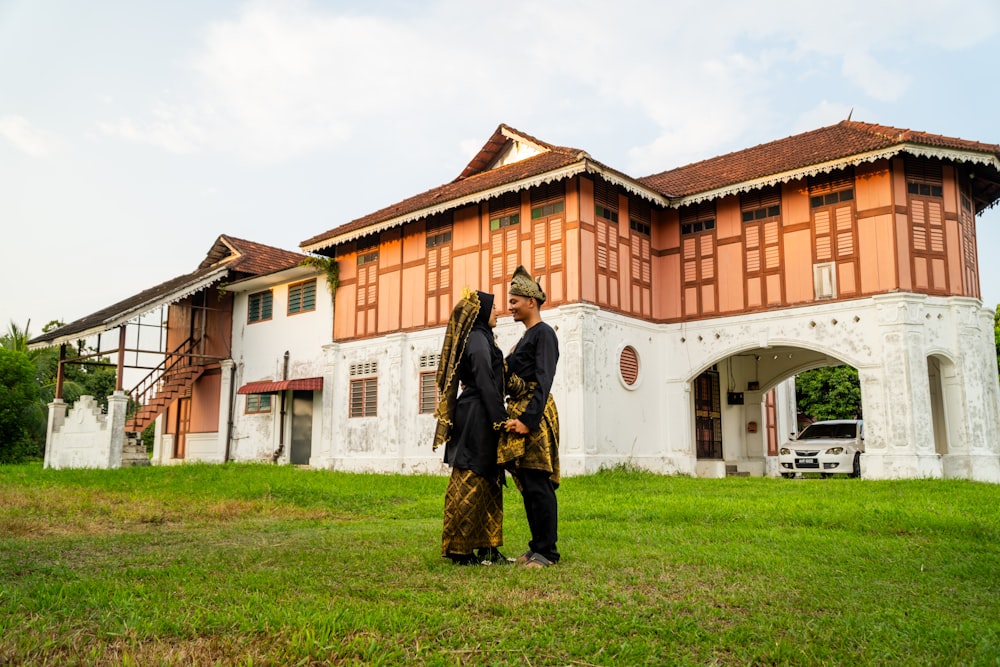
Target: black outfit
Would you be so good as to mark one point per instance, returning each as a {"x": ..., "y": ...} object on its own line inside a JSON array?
[
  {"x": 479, "y": 411},
  {"x": 473, "y": 512},
  {"x": 534, "y": 360}
]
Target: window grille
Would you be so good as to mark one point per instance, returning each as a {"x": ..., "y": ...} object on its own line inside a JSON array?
[{"x": 302, "y": 297}]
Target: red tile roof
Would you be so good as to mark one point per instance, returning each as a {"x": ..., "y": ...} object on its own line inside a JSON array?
[
  {"x": 826, "y": 144},
  {"x": 472, "y": 180},
  {"x": 798, "y": 152}
]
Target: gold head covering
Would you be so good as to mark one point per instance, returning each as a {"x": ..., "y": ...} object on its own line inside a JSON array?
[
  {"x": 463, "y": 317},
  {"x": 522, "y": 284}
]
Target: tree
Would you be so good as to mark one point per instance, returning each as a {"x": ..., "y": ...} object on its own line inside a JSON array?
[
  {"x": 832, "y": 392},
  {"x": 92, "y": 379},
  {"x": 18, "y": 408}
]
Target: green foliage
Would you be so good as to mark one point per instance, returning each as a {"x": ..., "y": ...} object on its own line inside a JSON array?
[
  {"x": 832, "y": 392},
  {"x": 270, "y": 565},
  {"x": 996, "y": 333},
  {"x": 18, "y": 407},
  {"x": 93, "y": 379},
  {"x": 327, "y": 265}
]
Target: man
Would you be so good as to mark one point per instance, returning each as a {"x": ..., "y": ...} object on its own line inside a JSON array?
[
  {"x": 469, "y": 425},
  {"x": 529, "y": 448}
]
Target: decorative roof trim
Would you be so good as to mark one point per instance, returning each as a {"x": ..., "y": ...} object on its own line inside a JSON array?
[
  {"x": 918, "y": 150},
  {"x": 584, "y": 165},
  {"x": 126, "y": 316}
]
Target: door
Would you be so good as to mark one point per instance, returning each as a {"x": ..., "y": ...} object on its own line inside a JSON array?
[
  {"x": 183, "y": 425},
  {"x": 302, "y": 426},
  {"x": 708, "y": 416}
]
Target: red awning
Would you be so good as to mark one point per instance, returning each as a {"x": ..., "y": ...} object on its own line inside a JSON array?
[{"x": 270, "y": 387}]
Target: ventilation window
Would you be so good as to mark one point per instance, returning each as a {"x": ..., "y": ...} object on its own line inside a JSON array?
[{"x": 628, "y": 366}]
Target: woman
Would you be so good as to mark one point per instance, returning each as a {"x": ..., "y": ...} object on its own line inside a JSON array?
[{"x": 469, "y": 425}]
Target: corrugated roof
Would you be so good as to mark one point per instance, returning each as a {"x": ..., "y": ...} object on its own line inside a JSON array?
[{"x": 228, "y": 257}]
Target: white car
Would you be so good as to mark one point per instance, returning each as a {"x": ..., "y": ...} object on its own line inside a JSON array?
[{"x": 827, "y": 447}]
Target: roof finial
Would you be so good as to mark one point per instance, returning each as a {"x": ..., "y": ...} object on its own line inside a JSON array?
[{"x": 849, "y": 114}]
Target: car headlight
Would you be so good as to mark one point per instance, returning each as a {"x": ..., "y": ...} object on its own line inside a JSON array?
[
  {"x": 836, "y": 451},
  {"x": 784, "y": 451}
]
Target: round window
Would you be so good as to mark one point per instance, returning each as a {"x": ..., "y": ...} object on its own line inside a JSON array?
[{"x": 628, "y": 365}]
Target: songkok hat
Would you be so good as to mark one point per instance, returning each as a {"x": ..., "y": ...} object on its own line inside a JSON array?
[{"x": 522, "y": 284}]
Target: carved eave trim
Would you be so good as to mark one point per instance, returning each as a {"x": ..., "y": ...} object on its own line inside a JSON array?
[
  {"x": 136, "y": 311},
  {"x": 918, "y": 150},
  {"x": 584, "y": 166}
]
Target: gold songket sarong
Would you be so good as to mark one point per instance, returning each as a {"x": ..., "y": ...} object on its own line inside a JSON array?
[
  {"x": 473, "y": 513},
  {"x": 539, "y": 450}
]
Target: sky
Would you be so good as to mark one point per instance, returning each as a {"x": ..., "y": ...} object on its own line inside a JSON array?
[{"x": 133, "y": 132}]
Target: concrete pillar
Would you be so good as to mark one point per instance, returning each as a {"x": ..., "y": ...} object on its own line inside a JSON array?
[{"x": 57, "y": 415}]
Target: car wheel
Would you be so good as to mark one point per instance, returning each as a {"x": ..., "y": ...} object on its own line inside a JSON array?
[{"x": 856, "y": 470}]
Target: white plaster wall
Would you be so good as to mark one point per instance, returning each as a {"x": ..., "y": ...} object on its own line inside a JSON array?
[
  {"x": 258, "y": 355},
  {"x": 84, "y": 437},
  {"x": 604, "y": 423}
]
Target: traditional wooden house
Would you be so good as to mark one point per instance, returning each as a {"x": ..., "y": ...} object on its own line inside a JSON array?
[{"x": 680, "y": 299}]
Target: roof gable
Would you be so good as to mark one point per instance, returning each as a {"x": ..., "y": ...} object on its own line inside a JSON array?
[
  {"x": 506, "y": 146},
  {"x": 510, "y": 161}
]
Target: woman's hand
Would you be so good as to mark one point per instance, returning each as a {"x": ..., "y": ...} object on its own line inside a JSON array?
[{"x": 516, "y": 426}]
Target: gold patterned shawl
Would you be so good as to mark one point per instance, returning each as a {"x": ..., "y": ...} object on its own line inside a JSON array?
[{"x": 460, "y": 324}]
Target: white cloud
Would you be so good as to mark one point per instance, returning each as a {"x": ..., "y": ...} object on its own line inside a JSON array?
[
  {"x": 875, "y": 79},
  {"x": 28, "y": 139},
  {"x": 175, "y": 130},
  {"x": 281, "y": 81}
]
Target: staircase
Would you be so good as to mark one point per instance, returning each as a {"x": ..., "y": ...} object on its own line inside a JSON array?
[
  {"x": 732, "y": 470},
  {"x": 134, "y": 454},
  {"x": 172, "y": 384},
  {"x": 165, "y": 383}
]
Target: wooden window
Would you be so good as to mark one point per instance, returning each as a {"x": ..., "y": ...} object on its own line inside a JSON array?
[
  {"x": 259, "y": 307},
  {"x": 698, "y": 258},
  {"x": 428, "y": 392},
  {"x": 438, "y": 287},
  {"x": 606, "y": 240},
  {"x": 834, "y": 228},
  {"x": 302, "y": 297},
  {"x": 928, "y": 244},
  {"x": 428, "y": 399},
  {"x": 697, "y": 218},
  {"x": 761, "y": 214},
  {"x": 967, "y": 231},
  {"x": 505, "y": 229},
  {"x": 924, "y": 177},
  {"x": 367, "y": 295},
  {"x": 547, "y": 223},
  {"x": 364, "y": 389},
  {"x": 258, "y": 403},
  {"x": 640, "y": 216},
  {"x": 606, "y": 201}
]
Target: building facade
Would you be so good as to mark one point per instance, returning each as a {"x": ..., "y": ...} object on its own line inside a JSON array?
[{"x": 681, "y": 299}]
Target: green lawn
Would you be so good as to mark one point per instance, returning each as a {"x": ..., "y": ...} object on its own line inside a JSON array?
[{"x": 270, "y": 565}]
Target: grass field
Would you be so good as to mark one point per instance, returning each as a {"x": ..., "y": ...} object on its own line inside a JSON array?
[{"x": 271, "y": 565}]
